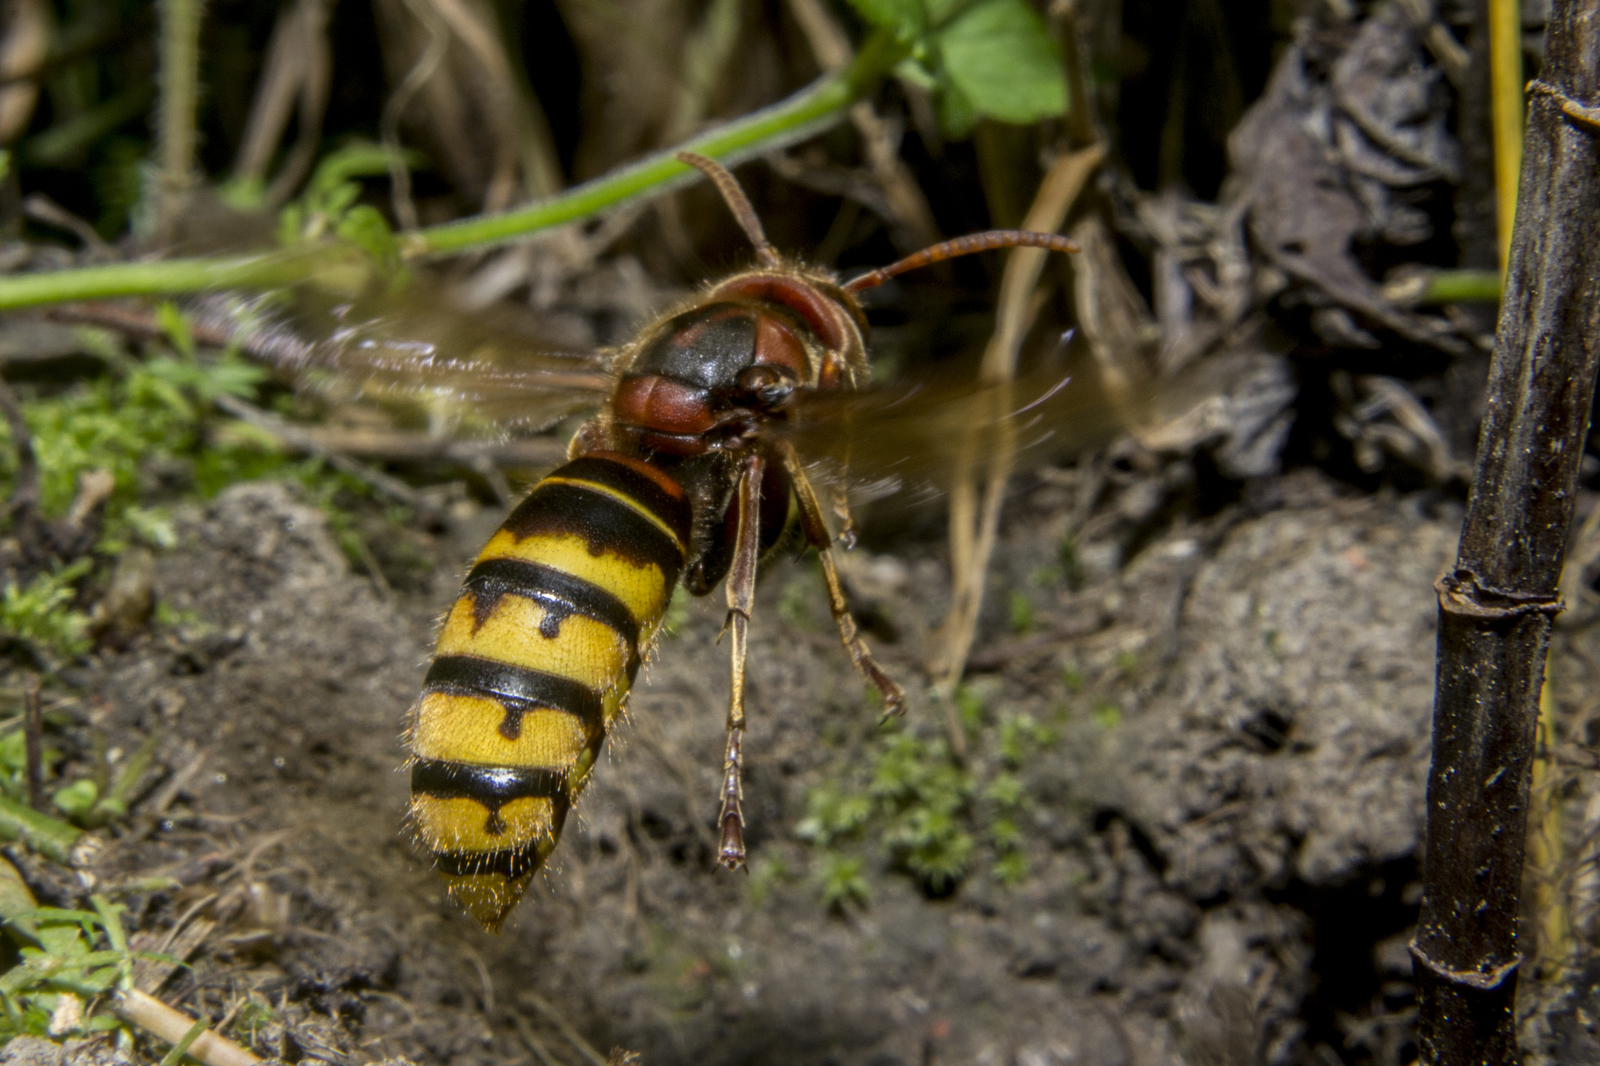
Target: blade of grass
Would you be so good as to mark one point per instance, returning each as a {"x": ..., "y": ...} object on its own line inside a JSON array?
[
  {"x": 181, "y": 1048},
  {"x": 1506, "y": 109},
  {"x": 114, "y": 804},
  {"x": 33, "y": 729},
  {"x": 1553, "y": 946},
  {"x": 1462, "y": 286}
]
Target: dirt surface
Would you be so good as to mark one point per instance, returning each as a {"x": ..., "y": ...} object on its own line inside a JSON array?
[{"x": 1219, "y": 830}]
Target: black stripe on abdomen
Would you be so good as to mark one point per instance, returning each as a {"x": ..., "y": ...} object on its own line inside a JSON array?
[
  {"x": 642, "y": 489},
  {"x": 492, "y": 786},
  {"x": 606, "y": 524},
  {"x": 517, "y": 689},
  {"x": 559, "y": 593}
]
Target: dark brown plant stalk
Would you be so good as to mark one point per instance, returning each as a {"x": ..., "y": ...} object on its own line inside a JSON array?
[{"x": 1496, "y": 606}]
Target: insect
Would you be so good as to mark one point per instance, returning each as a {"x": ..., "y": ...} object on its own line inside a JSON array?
[{"x": 690, "y": 473}]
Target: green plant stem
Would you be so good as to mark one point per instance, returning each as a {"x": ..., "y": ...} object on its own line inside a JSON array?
[
  {"x": 800, "y": 116},
  {"x": 156, "y": 278},
  {"x": 1462, "y": 286},
  {"x": 50, "y": 837},
  {"x": 180, "y": 82},
  {"x": 791, "y": 120}
]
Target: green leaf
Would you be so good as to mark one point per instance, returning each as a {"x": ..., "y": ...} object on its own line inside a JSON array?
[
  {"x": 153, "y": 525},
  {"x": 176, "y": 326},
  {"x": 110, "y": 915},
  {"x": 1011, "y": 868},
  {"x": 914, "y": 72},
  {"x": 1021, "y": 610},
  {"x": 957, "y": 116},
  {"x": 77, "y": 798},
  {"x": 969, "y": 704},
  {"x": 832, "y": 813},
  {"x": 1001, "y": 57},
  {"x": 15, "y": 901},
  {"x": 291, "y": 223},
  {"x": 243, "y": 194},
  {"x": 365, "y": 227}
]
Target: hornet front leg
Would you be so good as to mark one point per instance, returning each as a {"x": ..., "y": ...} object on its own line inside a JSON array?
[{"x": 816, "y": 533}]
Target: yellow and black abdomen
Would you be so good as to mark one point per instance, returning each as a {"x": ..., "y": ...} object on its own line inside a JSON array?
[{"x": 532, "y": 667}]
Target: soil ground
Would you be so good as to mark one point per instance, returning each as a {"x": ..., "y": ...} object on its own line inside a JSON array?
[{"x": 1218, "y": 815}]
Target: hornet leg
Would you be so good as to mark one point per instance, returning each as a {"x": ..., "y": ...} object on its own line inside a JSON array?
[
  {"x": 841, "y": 511},
  {"x": 817, "y": 535},
  {"x": 741, "y": 597}
]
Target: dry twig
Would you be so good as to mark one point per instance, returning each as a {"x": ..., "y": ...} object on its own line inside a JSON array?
[
  {"x": 296, "y": 76},
  {"x": 156, "y": 1017},
  {"x": 299, "y": 439},
  {"x": 972, "y": 532}
]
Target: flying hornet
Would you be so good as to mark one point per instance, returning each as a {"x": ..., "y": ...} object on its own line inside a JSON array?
[{"x": 693, "y": 470}]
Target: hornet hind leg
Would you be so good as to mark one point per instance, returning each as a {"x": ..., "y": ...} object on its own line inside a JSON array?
[{"x": 741, "y": 599}]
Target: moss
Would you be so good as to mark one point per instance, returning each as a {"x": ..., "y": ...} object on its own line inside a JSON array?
[
  {"x": 840, "y": 882},
  {"x": 934, "y": 817},
  {"x": 40, "y": 613},
  {"x": 145, "y": 422},
  {"x": 1020, "y": 609}
]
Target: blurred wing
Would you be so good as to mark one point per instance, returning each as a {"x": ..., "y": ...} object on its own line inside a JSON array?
[
  {"x": 927, "y": 435},
  {"x": 488, "y": 366}
]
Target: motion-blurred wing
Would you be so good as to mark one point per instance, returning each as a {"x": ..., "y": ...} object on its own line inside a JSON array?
[
  {"x": 486, "y": 366},
  {"x": 932, "y": 435},
  {"x": 928, "y": 434}
]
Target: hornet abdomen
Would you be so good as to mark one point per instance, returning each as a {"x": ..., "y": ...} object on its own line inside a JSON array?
[{"x": 532, "y": 667}]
